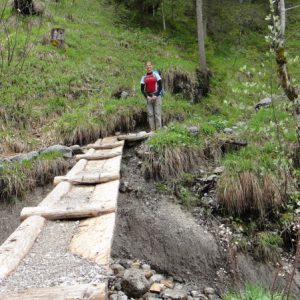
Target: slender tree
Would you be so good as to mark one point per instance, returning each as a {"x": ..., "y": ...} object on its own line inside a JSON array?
[
  {"x": 279, "y": 18},
  {"x": 201, "y": 36}
]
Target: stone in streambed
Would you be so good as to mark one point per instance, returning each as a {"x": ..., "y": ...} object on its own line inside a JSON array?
[
  {"x": 174, "y": 294},
  {"x": 134, "y": 283}
]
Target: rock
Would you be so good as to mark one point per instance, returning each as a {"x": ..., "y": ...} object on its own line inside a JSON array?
[
  {"x": 126, "y": 263},
  {"x": 178, "y": 286},
  {"x": 119, "y": 296},
  {"x": 174, "y": 294},
  {"x": 218, "y": 170},
  {"x": 76, "y": 149},
  {"x": 113, "y": 297},
  {"x": 195, "y": 294},
  {"x": 151, "y": 296},
  {"x": 156, "y": 287},
  {"x": 168, "y": 283},
  {"x": 207, "y": 201},
  {"x": 66, "y": 151},
  {"x": 178, "y": 279},
  {"x": 146, "y": 267},
  {"x": 124, "y": 94},
  {"x": 136, "y": 264},
  {"x": 157, "y": 278},
  {"x": 118, "y": 269},
  {"x": 124, "y": 187},
  {"x": 209, "y": 179},
  {"x": 27, "y": 156},
  {"x": 194, "y": 130},
  {"x": 263, "y": 102},
  {"x": 209, "y": 291},
  {"x": 227, "y": 130},
  {"x": 148, "y": 274},
  {"x": 201, "y": 297},
  {"x": 134, "y": 283}
]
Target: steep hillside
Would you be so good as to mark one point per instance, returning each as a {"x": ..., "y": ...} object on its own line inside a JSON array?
[{"x": 90, "y": 87}]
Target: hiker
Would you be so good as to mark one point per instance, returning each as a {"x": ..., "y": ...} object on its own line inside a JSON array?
[{"x": 151, "y": 87}]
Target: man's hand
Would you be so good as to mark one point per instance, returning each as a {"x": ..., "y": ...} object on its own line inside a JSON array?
[{"x": 153, "y": 99}]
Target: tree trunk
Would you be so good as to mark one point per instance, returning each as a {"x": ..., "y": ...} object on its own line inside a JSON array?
[
  {"x": 163, "y": 15},
  {"x": 200, "y": 30},
  {"x": 281, "y": 61}
]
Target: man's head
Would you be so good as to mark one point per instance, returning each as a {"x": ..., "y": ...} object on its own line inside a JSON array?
[{"x": 149, "y": 67}]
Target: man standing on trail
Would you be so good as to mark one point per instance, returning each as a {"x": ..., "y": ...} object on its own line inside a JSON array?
[{"x": 151, "y": 87}]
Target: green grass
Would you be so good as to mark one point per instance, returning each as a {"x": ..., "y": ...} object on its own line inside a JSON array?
[
  {"x": 253, "y": 292},
  {"x": 17, "y": 178}
]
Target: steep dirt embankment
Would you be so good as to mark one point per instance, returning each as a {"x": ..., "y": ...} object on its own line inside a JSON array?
[
  {"x": 151, "y": 226},
  {"x": 10, "y": 210}
]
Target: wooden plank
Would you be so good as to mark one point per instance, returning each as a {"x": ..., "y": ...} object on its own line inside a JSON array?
[
  {"x": 52, "y": 213},
  {"x": 109, "y": 140},
  {"x": 111, "y": 165},
  {"x": 75, "y": 292},
  {"x": 16, "y": 247},
  {"x": 135, "y": 137},
  {"x": 94, "y": 239},
  {"x": 79, "y": 195},
  {"x": 56, "y": 194},
  {"x": 79, "y": 167},
  {"x": 98, "y": 156},
  {"x": 105, "y": 146},
  {"x": 106, "y": 194},
  {"x": 86, "y": 178}
]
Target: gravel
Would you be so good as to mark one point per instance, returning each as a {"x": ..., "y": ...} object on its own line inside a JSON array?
[{"x": 49, "y": 262}]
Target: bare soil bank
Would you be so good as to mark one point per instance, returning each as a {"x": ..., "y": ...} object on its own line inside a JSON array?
[
  {"x": 10, "y": 211},
  {"x": 153, "y": 227}
]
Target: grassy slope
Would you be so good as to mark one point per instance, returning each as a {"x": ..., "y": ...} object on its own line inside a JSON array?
[
  {"x": 66, "y": 94},
  {"x": 69, "y": 91}
]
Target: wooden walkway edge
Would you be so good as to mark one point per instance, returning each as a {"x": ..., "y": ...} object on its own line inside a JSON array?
[{"x": 88, "y": 191}]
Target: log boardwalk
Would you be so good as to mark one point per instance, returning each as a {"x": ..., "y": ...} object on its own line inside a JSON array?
[{"x": 62, "y": 248}]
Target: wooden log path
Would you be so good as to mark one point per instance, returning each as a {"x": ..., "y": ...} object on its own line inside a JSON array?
[{"x": 87, "y": 193}]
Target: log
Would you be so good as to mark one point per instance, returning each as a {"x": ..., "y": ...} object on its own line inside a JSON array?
[
  {"x": 75, "y": 292},
  {"x": 109, "y": 140},
  {"x": 93, "y": 178},
  {"x": 52, "y": 213},
  {"x": 135, "y": 137},
  {"x": 79, "y": 167},
  {"x": 17, "y": 246},
  {"x": 94, "y": 239},
  {"x": 105, "y": 146},
  {"x": 98, "y": 156},
  {"x": 111, "y": 165},
  {"x": 56, "y": 194}
]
